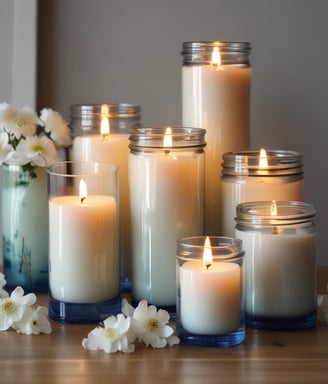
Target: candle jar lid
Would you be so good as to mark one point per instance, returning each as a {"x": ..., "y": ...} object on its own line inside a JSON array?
[
  {"x": 150, "y": 138},
  {"x": 86, "y": 118},
  {"x": 231, "y": 53},
  {"x": 246, "y": 163},
  {"x": 223, "y": 248},
  {"x": 283, "y": 214}
]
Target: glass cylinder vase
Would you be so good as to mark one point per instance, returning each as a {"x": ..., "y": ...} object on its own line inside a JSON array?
[
  {"x": 259, "y": 175},
  {"x": 166, "y": 166},
  {"x": 101, "y": 134},
  {"x": 210, "y": 291},
  {"x": 279, "y": 239},
  {"x": 216, "y": 80},
  {"x": 83, "y": 241},
  {"x": 25, "y": 227}
]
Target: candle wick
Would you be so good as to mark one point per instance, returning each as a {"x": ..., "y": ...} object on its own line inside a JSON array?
[
  {"x": 166, "y": 151},
  {"x": 208, "y": 266},
  {"x": 104, "y": 137},
  {"x": 82, "y": 200}
]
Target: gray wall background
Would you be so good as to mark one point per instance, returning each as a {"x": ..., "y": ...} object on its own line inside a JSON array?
[{"x": 129, "y": 51}]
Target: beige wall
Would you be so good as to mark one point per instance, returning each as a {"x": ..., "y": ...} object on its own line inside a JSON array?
[{"x": 129, "y": 50}]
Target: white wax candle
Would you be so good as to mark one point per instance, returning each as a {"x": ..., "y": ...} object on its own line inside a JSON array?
[
  {"x": 83, "y": 250},
  {"x": 217, "y": 98},
  {"x": 280, "y": 273},
  {"x": 166, "y": 204},
  {"x": 210, "y": 299},
  {"x": 255, "y": 188},
  {"x": 113, "y": 149}
]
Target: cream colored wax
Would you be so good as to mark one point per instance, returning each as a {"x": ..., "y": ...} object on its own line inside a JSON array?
[
  {"x": 83, "y": 249},
  {"x": 217, "y": 98}
]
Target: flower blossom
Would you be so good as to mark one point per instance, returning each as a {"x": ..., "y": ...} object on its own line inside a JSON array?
[
  {"x": 56, "y": 126},
  {"x": 33, "y": 322},
  {"x": 151, "y": 325},
  {"x": 39, "y": 151},
  {"x": 5, "y": 148},
  {"x": 12, "y": 308},
  {"x": 112, "y": 337},
  {"x": 8, "y": 117}
]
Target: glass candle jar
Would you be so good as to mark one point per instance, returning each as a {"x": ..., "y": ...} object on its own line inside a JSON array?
[
  {"x": 255, "y": 176},
  {"x": 83, "y": 241},
  {"x": 280, "y": 269},
  {"x": 101, "y": 133},
  {"x": 216, "y": 79},
  {"x": 210, "y": 293},
  {"x": 166, "y": 167}
]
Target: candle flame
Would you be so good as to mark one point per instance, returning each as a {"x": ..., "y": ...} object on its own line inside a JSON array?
[
  {"x": 273, "y": 208},
  {"x": 167, "y": 142},
  {"x": 83, "y": 190},
  {"x": 216, "y": 57},
  {"x": 104, "y": 127},
  {"x": 263, "y": 163},
  {"x": 207, "y": 254}
]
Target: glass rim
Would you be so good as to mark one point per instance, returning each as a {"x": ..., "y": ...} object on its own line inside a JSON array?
[{"x": 87, "y": 165}]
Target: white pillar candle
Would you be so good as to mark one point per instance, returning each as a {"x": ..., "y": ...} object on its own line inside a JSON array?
[
  {"x": 210, "y": 299},
  {"x": 111, "y": 148},
  {"x": 280, "y": 259},
  {"x": 244, "y": 179},
  {"x": 83, "y": 252},
  {"x": 216, "y": 97},
  {"x": 166, "y": 193}
]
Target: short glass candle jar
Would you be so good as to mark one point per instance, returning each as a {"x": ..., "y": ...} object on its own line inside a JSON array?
[
  {"x": 280, "y": 270},
  {"x": 210, "y": 294},
  {"x": 83, "y": 242}
]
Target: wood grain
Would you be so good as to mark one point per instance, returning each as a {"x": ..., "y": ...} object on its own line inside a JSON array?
[{"x": 264, "y": 357}]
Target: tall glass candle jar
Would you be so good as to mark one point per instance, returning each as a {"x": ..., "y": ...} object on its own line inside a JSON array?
[
  {"x": 216, "y": 80},
  {"x": 210, "y": 291},
  {"x": 256, "y": 176},
  {"x": 101, "y": 133},
  {"x": 84, "y": 269},
  {"x": 279, "y": 240},
  {"x": 166, "y": 167}
]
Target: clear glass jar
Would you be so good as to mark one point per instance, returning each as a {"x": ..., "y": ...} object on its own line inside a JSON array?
[
  {"x": 279, "y": 239},
  {"x": 166, "y": 194},
  {"x": 86, "y": 118},
  {"x": 89, "y": 144},
  {"x": 210, "y": 293},
  {"x": 84, "y": 269},
  {"x": 216, "y": 97},
  {"x": 244, "y": 178}
]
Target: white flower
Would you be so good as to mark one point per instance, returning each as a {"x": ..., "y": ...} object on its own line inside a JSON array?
[
  {"x": 8, "y": 117},
  {"x": 151, "y": 326},
  {"x": 34, "y": 322},
  {"x": 3, "y": 282},
  {"x": 12, "y": 308},
  {"x": 5, "y": 148},
  {"x": 39, "y": 151},
  {"x": 112, "y": 337},
  {"x": 56, "y": 126}
]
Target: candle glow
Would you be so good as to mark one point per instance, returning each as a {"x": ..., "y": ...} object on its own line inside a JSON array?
[
  {"x": 83, "y": 190},
  {"x": 167, "y": 141},
  {"x": 263, "y": 163},
  {"x": 207, "y": 254},
  {"x": 216, "y": 57}
]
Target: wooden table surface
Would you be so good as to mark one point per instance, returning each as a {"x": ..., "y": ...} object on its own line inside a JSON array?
[{"x": 264, "y": 357}]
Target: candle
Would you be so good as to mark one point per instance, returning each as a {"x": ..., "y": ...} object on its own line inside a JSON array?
[
  {"x": 216, "y": 97},
  {"x": 107, "y": 147},
  {"x": 210, "y": 291},
  {"x": 279, "y": 241},
  {"x": 83, "y": 255},
  {"x": 258, "y": 176},
  {"x": 166, "y": 194}
]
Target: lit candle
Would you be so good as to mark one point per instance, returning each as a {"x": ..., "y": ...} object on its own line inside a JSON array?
[
  {"x": 166, "y": 184},
  {"x": 210, "y": 295},
  {"x": 83, "y": 254},
  {"x": 280, "y": 274},
  {"x": 258, "y": 176},
  {"x": 216, "y": 79},
  {"x": 107, "y": 147}
]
